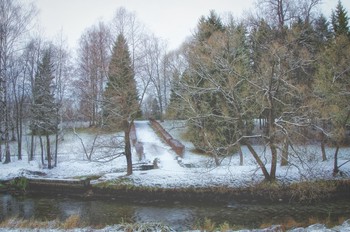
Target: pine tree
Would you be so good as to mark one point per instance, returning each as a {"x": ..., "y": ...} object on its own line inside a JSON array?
[
  {"x": 322, "y": 31},
  {"x": 121, "y": 98},
  {"x": 340, "y": 20},
  {"x": 44, "y": 109}
]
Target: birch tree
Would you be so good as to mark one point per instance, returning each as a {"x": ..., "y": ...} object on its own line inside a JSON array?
[
  {"x": 15, "y": 20},
  {"x": 155, "y": 70},
  {"x": 126, "y": 23}
]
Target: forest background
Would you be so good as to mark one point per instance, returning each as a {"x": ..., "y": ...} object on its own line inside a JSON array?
[{"x": 278, "y": 76}]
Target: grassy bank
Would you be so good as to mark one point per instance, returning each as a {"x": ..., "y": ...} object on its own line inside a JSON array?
[
  {"x": 311, "y": 191},
  {"x": 124, "y": 188},
  {"x": 74, "y": 223}
]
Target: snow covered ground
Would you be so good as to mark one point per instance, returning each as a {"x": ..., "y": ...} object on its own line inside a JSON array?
[
  {"x": 193, "y": 170},
  {"x": 345, "y": 227}
]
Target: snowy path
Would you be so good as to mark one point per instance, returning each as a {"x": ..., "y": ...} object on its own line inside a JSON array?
[{"x": 154, "y": 147}]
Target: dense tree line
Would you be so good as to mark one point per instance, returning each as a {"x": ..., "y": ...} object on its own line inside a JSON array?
[
  {"x": 287, "y": 69},
  {"x": 33, "y": 80},
  {"x": 277, "y": 77}
]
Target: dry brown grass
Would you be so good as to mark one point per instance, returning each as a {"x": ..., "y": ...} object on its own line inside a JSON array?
[
  {"x": 291, "y": 223},
  {"x": 71, "y": 222},
  {"x": 225, "y": 227},
  {"x": 313, "y": 220},
  {"x": 341, "y": 220},
  {"x": 16, "y": 222},
  {"x": 208, "y": 225},
  {"x": 312, "y": 191}
]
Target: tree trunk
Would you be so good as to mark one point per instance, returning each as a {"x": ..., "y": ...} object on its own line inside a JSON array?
[
  {"x": 240, "y": 154},
  {"x": 160, "y": 108},
  {"x": 31, "y": 154},
  {"x": 336, "y": 168},
  {"x": 13, "y": 134},
  {"x": 259, "y": 161},
  {"x": 56, "y": 148},
  {"x": 323, "y": 141},
  {"x": 7, "y": 148},
  {"x": 272, "y": 142},
  {"x": 127, "y": 149},
  {"x": 56, "y": 142},
  {"x": 19, "y": 119},
  {"x": 7, "y": 133},
  {"x": 48, "y": 151},
  {"x": 42, "y": 151},
  {"x": 19, "y": 128},
  {"x": 273, "y": 161},
  {"x": 19, "y": 147},
  {"x": 285, "y": 146},
  {"x": 216, "y": 159},
  {"x": 323, "y": 149},
  {"x": 93, "y": 114}
]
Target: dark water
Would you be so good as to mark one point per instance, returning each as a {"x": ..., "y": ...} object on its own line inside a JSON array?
[{"x": 178, "y": 216}]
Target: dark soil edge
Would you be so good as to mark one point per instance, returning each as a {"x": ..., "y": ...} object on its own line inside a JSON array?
[{"x": 265, "y": 192}]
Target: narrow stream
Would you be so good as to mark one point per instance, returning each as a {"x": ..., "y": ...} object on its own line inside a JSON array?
[{"x": 176, "y": 215}]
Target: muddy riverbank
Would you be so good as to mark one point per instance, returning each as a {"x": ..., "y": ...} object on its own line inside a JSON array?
[{"x": 263, "y": 192}]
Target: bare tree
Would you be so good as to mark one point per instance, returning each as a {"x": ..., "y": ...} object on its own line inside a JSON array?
[
  {"x": 62, "y": 72},
  {"x": 283, "y": 13},
  {"x": 155, "y": 70},
  {"x": 94, "y": 55},
  {"x": 126, "y": 23},
  {"x": 15, "y": 20}
]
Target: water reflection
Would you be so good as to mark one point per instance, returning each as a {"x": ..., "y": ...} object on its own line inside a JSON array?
[{"x": 180, "y": 217}]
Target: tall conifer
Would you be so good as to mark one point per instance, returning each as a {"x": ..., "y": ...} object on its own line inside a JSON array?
[
  {"x": 340, "y": 20},
  {"x": 44, "y": 109},
  {"x": 121, "y": 98}
]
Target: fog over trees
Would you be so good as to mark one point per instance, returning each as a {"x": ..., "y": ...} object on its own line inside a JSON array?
[{"x": 278, "y": 77}]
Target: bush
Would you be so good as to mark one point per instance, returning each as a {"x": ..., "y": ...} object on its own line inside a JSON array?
[{"x": 20, "y": 183}]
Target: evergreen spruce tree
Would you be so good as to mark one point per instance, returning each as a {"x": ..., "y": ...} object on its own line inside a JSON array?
[
  {"x": 155, "y": 109},
  {"x": 322, "y": 31},
  {"x": 340, "y": 20},
  {"x": 121, "y": 99},
  {"x": 217, "y": 59},
  {"x": 176, "y": 108},
  {"x": 205, "y": 131},
  {"x": 44, "y": 109}
]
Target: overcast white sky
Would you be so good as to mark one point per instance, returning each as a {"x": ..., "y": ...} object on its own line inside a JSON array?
[{"x": 172, "y": 20}]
